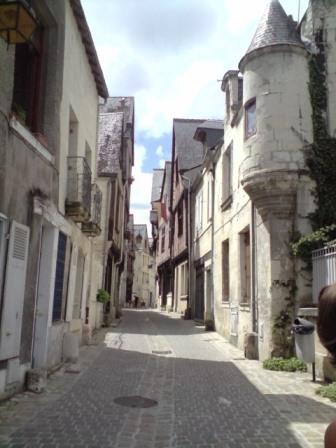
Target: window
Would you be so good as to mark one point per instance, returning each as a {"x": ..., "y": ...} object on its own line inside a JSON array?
[
  {"x": 163, "y": 236},
  {"x": 117, "y": 211},
  {"x": 180, "y": 218},
  {"x": 245, "y": 266},
  {"x": 111, "y": 217},
  {"x": 227, "y": 176},
  {"x": 226, "y": 270},
  {"x": 198, "y": 211},
  {"x": 27, "y": 91},
  {"x": 59, "y": 277},
  {"x": 250, "y": 119}
]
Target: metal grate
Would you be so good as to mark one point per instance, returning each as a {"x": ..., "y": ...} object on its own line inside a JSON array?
[
  {"x": 136, "y": 401},
  {"x": 162, "y": 352}
]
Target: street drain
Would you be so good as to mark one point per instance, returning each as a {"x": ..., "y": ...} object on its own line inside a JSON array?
[
  {"x": 136, "y": 402},
  {"x": 161, "y": 352}
]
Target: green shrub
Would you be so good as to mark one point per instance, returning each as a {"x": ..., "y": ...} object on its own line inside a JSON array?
[
  {"x": 328, "y": 391},
  {"x": 285, "y": 365},
  {"x": 103, "y": 296}
]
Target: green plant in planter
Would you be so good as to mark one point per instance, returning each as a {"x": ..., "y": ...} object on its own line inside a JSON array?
[{"x": 103, "y": 296}]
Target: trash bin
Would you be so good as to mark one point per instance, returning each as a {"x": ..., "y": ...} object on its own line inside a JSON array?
[{"x": 304, "y": 340}]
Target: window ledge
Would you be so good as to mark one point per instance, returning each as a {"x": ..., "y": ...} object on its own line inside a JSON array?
[
  {"x": 29, "y": 138},
  {"x": 185, "y": 297},
  {"x": 225, "y": 304},
  {"x": 244, "y": 306},
  {"x": 226, "y": 203}
]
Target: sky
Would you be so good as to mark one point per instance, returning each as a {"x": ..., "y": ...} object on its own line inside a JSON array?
[{"x": 170, "y": 55}]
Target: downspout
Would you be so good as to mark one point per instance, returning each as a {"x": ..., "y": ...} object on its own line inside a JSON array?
[
  {"x": 253, "y": 273},
  {"x": 121, "y": 257},
  {"x": 187, "y": 314},
  {"x": 213, "y": 177}
]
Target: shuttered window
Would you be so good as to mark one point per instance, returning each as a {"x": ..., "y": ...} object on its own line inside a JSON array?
[
  {"x": 14, "y": 290},
  {"x": 59, "y": 277}
]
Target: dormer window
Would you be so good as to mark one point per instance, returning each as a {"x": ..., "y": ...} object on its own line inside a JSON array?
[{"x": 250, "y": 118}]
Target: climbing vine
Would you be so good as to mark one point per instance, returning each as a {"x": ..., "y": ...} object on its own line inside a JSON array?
[
  {"x": 281, "y": 330},
  {"x": 321, "y": 162}
]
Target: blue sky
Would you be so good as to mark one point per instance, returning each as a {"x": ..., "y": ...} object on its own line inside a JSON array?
[{"x": 170, "y": 55}]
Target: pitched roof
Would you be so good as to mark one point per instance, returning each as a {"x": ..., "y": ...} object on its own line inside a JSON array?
[
  {"x": 157, "y": 184},
  {"x": 166, "y": 182},
  {"x": 210, "y": 132},
  {"x": 212, "y": 124},
  {"x": 188, "y": 150},
  {"x": 89, "y": 48},
  {"x": 123, "y": 104},
  {"x": 109, "y": 143},
  {"x": 275, "y": 28}
]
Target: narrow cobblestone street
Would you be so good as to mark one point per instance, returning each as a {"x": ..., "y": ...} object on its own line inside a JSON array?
[{"x": 207, "y": 395}]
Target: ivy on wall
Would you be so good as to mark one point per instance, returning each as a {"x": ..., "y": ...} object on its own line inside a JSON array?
[{"x": 321, "y": 162}]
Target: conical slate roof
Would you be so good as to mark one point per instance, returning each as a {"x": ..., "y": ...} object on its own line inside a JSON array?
[{"x": 275, "y": 28}]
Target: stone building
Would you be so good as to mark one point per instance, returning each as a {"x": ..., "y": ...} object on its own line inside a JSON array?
[
  {"x": 144, "y": 268},
  {"x": 187, "y": 157},
  {"x": 48, "y": 127},
  {"x": 210, "y": 134},
  {"x": 115, "y": 160},
  {"x": 262, "y": 190},
  {"x": 163, "y": 241}
]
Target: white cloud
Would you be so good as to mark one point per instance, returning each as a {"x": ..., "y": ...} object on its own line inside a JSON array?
[
  {"x": 159, "y": 151},
  {"x": 170, "y": 56},
  {"x": 162, "y": 163},
  {"x": 141, "y": 187}
]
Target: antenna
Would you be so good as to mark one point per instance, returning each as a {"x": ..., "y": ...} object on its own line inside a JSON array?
[{"x": 299, "y": 11}]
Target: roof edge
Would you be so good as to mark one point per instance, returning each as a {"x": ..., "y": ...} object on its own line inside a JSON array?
[{"x": 90, "y": 49}]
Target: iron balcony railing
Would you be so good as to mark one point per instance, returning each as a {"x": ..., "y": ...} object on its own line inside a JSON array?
[
  {"x": 92, "y": 227},
  {"x": 78, "y": 201},
  {"x": 97, "y": 199}
]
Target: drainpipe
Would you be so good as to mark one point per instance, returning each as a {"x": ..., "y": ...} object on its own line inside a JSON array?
[
  {"x": 211, "y": 324},
  {"x": 118, "y": 263},
  {"x": 253, "y": 273},
  {"x": 188, "y": 310}
]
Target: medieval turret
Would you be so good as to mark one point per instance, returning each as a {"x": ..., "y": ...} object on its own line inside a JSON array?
[{"x": 277, "y": 112}]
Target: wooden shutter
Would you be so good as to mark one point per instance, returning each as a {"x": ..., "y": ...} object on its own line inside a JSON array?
[{"x": 15, "y": 280}]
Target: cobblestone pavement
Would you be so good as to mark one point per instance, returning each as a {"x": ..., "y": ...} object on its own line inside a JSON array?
[{"x": 207, "y": 395}]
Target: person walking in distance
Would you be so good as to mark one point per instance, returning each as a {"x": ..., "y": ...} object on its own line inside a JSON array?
[{"x": 326, "y": 329}]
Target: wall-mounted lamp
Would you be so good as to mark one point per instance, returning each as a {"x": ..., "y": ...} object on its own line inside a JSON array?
[{"x": 17, "y": 21}]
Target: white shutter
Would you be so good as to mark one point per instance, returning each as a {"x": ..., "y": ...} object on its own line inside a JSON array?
[{"x": 15, "y": 280}]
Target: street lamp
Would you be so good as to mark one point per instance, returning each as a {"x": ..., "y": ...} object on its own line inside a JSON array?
[{"x": 17, "y": 21}]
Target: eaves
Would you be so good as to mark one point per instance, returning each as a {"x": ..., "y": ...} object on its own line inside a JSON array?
[{"x": 89, "y": 48}]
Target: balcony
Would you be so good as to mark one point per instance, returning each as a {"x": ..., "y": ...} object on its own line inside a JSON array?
[
  {"x": 92, "y": 227},
  {"x": 78, "y": 201}
]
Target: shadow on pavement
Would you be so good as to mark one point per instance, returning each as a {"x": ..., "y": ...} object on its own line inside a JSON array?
[
  {"x": 201, "y": 404},
  {"x": 152, "y": 322}
]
